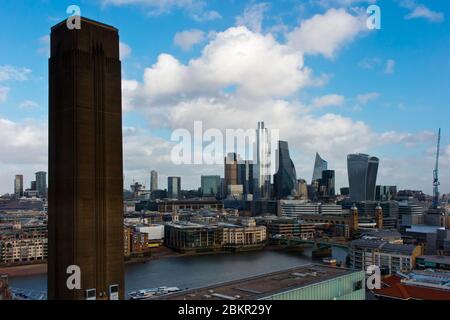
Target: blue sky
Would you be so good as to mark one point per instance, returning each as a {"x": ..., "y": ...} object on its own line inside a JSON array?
[{"x": 384, "y": 92}]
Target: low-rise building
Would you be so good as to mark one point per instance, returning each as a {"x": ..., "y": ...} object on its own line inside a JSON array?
[
  {"x": 433, "y": 262},
  {"x": 19, "y": 246},
  {"x": 192, "y": 237},
  {"x": 155, "y": 233},
  {"x": 245, "y": 234},
  {"x": 301, "y": 207},
  {"x": 416, "y": 285},
  {"x": 127, "y": 231},
  {"x": 284, "y": 228},
  {"x": 139, "y": 243},
  {"x": 308, "y": 282},
  {"x": 389, "y": 257}
]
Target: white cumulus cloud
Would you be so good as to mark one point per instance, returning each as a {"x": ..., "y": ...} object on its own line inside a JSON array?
[
  {"x": 329, "y": 100},
  {"x": 124, "y": 50},
  {"x": 188, "y": 38},
  {"x": 326, "y": 33}
]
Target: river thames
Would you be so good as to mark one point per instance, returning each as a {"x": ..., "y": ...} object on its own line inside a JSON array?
[{"x": 196, "y": 271}]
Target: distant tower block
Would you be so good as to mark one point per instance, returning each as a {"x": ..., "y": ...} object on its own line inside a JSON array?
[
  {"x": 379, "y": 217},
  {"x": 85, "y": 162}
]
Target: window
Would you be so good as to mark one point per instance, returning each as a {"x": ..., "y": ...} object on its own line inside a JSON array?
[{"x": 358, "y": 285}]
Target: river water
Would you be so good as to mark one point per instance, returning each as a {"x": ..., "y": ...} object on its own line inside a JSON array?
[{"x": 196, "y": 271}]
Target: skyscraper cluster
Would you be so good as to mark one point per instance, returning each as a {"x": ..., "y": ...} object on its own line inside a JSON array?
[
  {"x": 252, "y": 179},
  {"x": 38, "y": 187},
  {"x": 323, "y": 180}
]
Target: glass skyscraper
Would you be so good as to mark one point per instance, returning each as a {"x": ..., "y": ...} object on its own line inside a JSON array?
[
  {"x": 41, "y": 183},
  {"x": 372, "y": 172},
  {"x": 173, "y": 187},
  {"x": 210, "y": 185},
  {"x": 153, "y": 180},
  {"x": 231, "y": 170},
  {"x": 319, "y": 166},
  {"x": 362, "y": 176},
  {"x": 327, "y": 183},
  {"x": 18, "y": 185},
  {"x": 285, "y": 179},
  {"x": 262, "y": 168},
  {"x": 245, "y": 171}
]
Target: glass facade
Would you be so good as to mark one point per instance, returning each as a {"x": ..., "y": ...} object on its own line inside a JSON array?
[
  {"x": 347, "y": 287},
  {"x": 41, "y": 183},
  {"x": 319, "y": 166},
  {"x": 245, "y": 176},
  {"x": 174, "y": 187},
  {"x": 362, "y": 176},
  {"x": 210, "y": 185},
  {"x": 153, "y": 180},
  {"x": 262, "y": 169},
  {"x": 372, "y": 172},
  {"x": 285, "y": 179},
  {"x": 327, "y": 183}
]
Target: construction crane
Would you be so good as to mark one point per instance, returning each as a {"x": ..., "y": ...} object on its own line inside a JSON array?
[{"x": 436, "y": 183}]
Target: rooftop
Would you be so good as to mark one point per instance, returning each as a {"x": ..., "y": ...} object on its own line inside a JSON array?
[
  {"x": 422, "y": 228},
  {"x": 393, "y": 288},
  {"x": 189, "y": 225},
  {"x": 384, "y": 246},
  {"x": 383, "y": 234},
  {"x": 264, "y": 285},
  {"x": 89, "y": 21}
]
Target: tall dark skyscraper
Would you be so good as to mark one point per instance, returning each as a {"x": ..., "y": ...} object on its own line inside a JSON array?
[
  {"x": 245, "y": 171},
  {"x": 153, "y": 180},
  {"x": 174, "y": 187},
  {"x": 285, "y": 180},
  {"x": 41, "y": 183},
  {"x": 85, "y": 163},
  {"x": 319, "y": 166},
  {"x": 231, "y": 170},
  {"x": 327, "y": 188},
  {"x": 362, "y": 176},
  {"x": 18, "y": 185},
  {"x": 372, "y": 171},
  {"x": 210, "y": 186}
]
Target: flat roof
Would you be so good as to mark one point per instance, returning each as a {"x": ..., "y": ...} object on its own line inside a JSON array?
[
  {"x": 257, "y": 287},
  {"x": 422, "y": 228},
  {"x": 87, "y": 20},
  {"x": 189, "y": 225}
]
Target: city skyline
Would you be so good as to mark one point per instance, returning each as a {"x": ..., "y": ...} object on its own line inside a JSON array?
[
  {"x": 353, "y": 93},
  {"x": 170, "y": 146}
]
